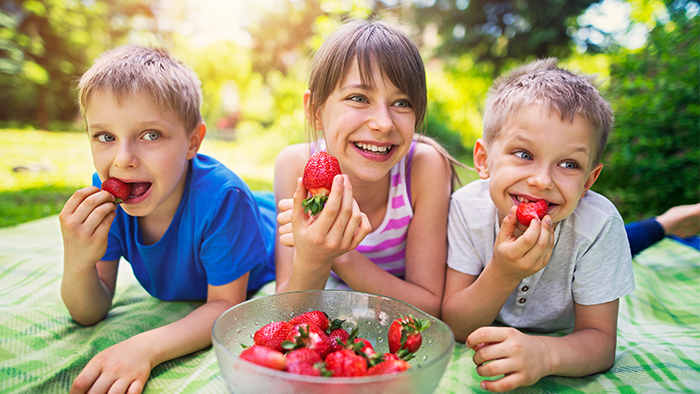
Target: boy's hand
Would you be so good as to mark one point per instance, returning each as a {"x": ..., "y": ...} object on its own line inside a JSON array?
[
  {"x": 516, "y": 258},
  {"x": 85, "y": 221},
  {"x": 339, "y": 228},
  {"x": 121, "y": 368},
  {"x": 523, "y": 359}
]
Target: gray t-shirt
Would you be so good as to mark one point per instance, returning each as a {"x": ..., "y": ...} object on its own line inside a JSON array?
[{"x": 591, "y": 262}]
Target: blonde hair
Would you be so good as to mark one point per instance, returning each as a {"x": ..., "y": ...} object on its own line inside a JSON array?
[
  {"x": 544, "y": 83},
  {"x": 370, "y": 42},
  {"x": 131, "y": 69}
]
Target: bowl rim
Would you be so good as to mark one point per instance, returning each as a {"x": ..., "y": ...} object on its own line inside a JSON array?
[{"x": 324, "y": 379}]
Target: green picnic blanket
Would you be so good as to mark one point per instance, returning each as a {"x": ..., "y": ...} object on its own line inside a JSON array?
[{"x": 42, "y": 350}]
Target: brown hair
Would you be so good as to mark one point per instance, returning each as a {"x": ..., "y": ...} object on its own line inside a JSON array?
[
  {"x": 544, "y": 83},
  {"x": 153, "y": 72},
  {"x": 371, "y": 42}
]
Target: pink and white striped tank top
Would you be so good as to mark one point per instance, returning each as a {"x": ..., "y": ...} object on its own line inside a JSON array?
[{"x": 386, "y": 245}]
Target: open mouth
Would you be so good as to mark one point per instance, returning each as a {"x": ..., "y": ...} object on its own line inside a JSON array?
[
  {"x": 138, "y": 189},
  {"x": 375, "y": 149},
  {"x": 522, "y": 200}
]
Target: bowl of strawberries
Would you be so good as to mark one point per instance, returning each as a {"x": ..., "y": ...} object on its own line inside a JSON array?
[{"x": 330, "y": 341}]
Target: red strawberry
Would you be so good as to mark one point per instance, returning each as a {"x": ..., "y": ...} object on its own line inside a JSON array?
[
  {"x": 404, "y": 333},
  {"x": 118, "y": 189},
  {"x": 308, "y": 335},
  {"x": 308, "y": 369},
  {"x": 320, "y": 319},
  {"x": 336, "y": 335},
  {"x": 530, "y": 210},
  {"x": 272, "y": 335},
  {"x": 346, "y": 363},
  {"x": 390, "y": 366},
  {"x": 303, "y": 355},
  {"x": 365, "y": 348},
  {"x": 319, "y": 172},
  {"x": 264, "y": 356}
]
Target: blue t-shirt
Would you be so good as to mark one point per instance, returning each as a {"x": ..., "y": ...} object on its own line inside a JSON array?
[{"x": 217, "y": 235}]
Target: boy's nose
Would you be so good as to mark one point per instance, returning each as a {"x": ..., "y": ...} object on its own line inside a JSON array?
[
  {"x": 126, "y": 157},
  {"x": 542, "y": 178},
  {"x": 381, "y": 120}
]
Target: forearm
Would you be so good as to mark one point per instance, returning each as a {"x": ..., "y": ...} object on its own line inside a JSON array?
[
  {"x": 87, "y": 298},
  {"x": 477, "y": 305},
  {"x": 305, "y": 274},
  {"x": 185, "y": 336},
  {"x": 580, "y": 353},
  {"x": 361, "y": 274}
]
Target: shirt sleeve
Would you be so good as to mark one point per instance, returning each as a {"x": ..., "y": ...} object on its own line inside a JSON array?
[
  {"x": 233, "y": 243},
  {"x": 462, "y": 254},
  {"x": 604, "y": 272}
]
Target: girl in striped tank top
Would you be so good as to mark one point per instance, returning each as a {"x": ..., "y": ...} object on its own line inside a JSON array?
[{"x": 384, "y": 227}]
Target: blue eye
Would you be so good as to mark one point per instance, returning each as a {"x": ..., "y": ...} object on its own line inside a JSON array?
[
  {"x": 104, "y": 137},
  {"x": 569, "y": 165},
  {"x": 152, "y": 136},
  {"x": 523, "y": 155}
]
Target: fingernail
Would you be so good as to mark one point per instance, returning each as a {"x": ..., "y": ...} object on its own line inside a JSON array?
[
  {"x": 548, "y": 220},
  {"x": 483, "y": 385}
]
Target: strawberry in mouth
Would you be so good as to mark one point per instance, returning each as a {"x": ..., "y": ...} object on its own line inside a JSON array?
[
  {"x": 527, "y": 210},
  {"x": 373, "y": 149}
]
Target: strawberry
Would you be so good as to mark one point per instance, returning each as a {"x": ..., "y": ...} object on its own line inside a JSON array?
[
  {"x": 346, "y": 363},
  {"x": 404, "y": 333},
  {"x": 118, "y": 189},
  {"x": 365, "y": 348},
  {"x": 389, "y": 366},
  {"x": 308, "y": 369},
  {"x": 338, "y": 337},
  {"x": 530, "y": 210},
  {"x": 264, "y": 356},
  {"x": 303, "y": 355},
  {"x": 320, "y": 319},
  {"x": 308, "y": 335},
  {"x": 319, "y": 172},
  {"x": 272, "y": 335}
]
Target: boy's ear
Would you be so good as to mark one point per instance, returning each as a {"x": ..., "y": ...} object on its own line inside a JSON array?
[
  {"x": 195, "y": 141},
  {"x": 592, "y": 177},
  {"x": 315, "y": 120},
  {"x": 481, "y": 159}
]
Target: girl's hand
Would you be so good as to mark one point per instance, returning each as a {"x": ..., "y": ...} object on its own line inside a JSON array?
[
  {"x": 284, "y": 219},
  {"x": 121, "y": 368},
  {"x": 339, "y": 228},
  {"x": 516, "y": 258},
  {"x": 523, "y": 359},
  {"x": 85, "y": 221}
]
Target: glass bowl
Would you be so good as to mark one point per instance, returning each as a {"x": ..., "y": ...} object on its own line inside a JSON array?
[{"x": 372, "y": 313}]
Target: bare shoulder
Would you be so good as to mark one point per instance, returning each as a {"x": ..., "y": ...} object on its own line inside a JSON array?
[
  {"x": 289, "y": 166},
  {"x": 429, "y": 166}
]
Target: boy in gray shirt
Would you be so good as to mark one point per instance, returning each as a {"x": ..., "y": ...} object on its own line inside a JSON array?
[{"x": 545, "y": 130}]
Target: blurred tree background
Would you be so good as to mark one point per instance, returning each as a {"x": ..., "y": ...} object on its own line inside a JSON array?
[{"x": 252, "y": 58}]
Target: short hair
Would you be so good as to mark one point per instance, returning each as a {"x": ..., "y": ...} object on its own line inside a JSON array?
[
  {"x": 369, "y": 42},
  {"x": 543, "y": 83},
  {"x": 153, "y": 72}
]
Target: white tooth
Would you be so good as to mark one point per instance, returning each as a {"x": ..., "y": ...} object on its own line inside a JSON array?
[{"x": 374, "y": 148}]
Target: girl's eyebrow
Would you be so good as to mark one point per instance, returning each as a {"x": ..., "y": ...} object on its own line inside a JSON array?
[{"x": 366, "y": 88}]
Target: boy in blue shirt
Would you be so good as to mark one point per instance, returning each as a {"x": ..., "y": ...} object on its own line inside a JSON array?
[
  {"x": 190, "y": 229},
  {"x": 545, "y": 130}
]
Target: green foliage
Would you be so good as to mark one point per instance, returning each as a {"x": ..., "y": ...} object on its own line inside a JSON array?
[
  {"x": 497, "y": 32},
  {"x": 652, "y": 159}
]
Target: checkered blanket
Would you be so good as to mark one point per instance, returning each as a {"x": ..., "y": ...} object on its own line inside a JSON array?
[{"x": 42, "y": 350}]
